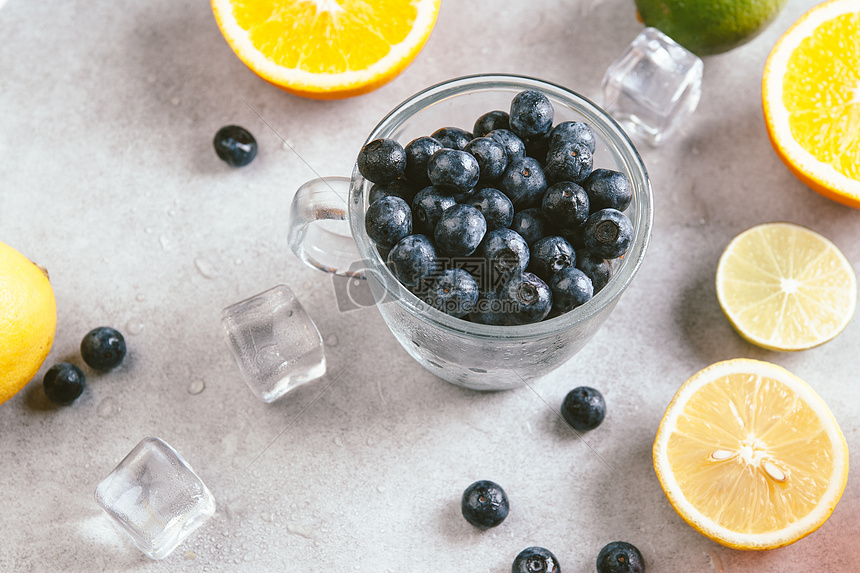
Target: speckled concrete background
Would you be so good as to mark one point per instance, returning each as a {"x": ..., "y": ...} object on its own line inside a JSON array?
[{"x": 108, "y": 178}]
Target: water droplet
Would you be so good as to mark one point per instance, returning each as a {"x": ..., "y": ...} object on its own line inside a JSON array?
[
  {"x": 151, "y": 79},
  {"x": 148, "y": 230},
  {"x": 107, "y": 408},
  {"x": 308, "y": 285},
  {"x": 205, "y": 268},
  {"x": 175, "y": 101},
  {"x": 370, "y": 441},
  {"x": 134, "y": 326},
  {"x": 140, "y": 297},
  {"x": 338, "y": 441},
  {"x": 265, "y": 516},
  {"x": 196, "y": 386},
  {"x": 166, "y": 243},
  {"x": 238, "y": 262},
  {"x": 380, "y": 488},
  {"x": 331, "y": 340},
  {"x": 171, "y": 212}
]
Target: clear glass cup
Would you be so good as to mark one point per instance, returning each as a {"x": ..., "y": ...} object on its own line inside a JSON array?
[{"x": 471, "y": 355}]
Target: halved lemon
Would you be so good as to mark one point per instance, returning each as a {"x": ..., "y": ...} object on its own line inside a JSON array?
[
  {"x": 326, "y": 49},
  {"x": 811, "y": 98},
  {"x": 785, "y": 287},
  {"x": 750, "y": 456}
]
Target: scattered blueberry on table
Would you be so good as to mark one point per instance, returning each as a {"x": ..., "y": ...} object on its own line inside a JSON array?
[
  {"x": 103, "y": 348},
  {"x": 235, "y": 145},
  {"x": 508, "y": 224},
  {"x": 620, "y": 557},
  {"x": 63, "y": 383},
  {"x": 583, "y": 408},
  {"x": 535, "y": 560},
  {"x": 484, "y": 504}
]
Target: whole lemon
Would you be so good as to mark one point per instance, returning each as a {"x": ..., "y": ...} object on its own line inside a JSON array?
[
  {"x": 28, "y": 320},
  {"x": 708, "y": 27}
]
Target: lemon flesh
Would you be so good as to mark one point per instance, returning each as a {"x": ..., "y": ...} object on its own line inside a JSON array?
[{"x": 750, "y": 456}]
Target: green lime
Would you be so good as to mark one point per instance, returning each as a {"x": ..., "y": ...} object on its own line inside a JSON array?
[{"x": 708, "y": 27}]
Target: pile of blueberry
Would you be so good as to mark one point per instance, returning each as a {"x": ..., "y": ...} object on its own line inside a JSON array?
[{"x": 509, "y": 224}]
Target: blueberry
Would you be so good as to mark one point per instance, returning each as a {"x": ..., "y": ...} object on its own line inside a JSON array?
[
  {"x": 531, "y": 114},
  {"x": 398, "y": 188},
  {"x": 570, "y": 288},
  {"x": 460, "y": 230},
  {"x": 490, "y": 310},
  {"x": 453, "y": 171},
  {"x": 583, "y": 408},
  {"x": 535, "y": 560},
  {"x": 418, "y": 153},
  {"x": 574, "y": 236},
  {"x": 537, "y": 146},
  {"x": 103, "y": 348},
  {"x": 575, "y": 132},
  {"x": 514, "y": 146},
  {"x": 495, "y": 206},
  {"x": 598, "y": 270},
  {"x": 524, "y": 183},
  {"x": 484, "y": 504},
  {"x": 428, "y": 206},
  {"x": 506, "y": 254},
  {"x": 620, "y": 557},
  {"x": 528, "y": 297},
  {"x": 549, "y": 255},
  {"x": 490, "y": 121},
  {"x": 387, "y": 221},
  {"x": 452, "y": 137},
  {"x": 382, "y": 161},
  {"x": 235, "y": 145},
  {"x": 492, "y": 157},
  {"x": 63, "y": 383},
  {"x": 607, "y": 233},
  {"x": 531, "y": 224},
  {"x": 412, "y": 259},
  {"x": 608, "y": 189},
  {"x": 569, "y": 161},
  {"x": 453, "y": 291},
  {"x": 566, "y": 204}
]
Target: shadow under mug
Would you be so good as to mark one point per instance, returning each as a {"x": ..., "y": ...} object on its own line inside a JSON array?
[{"x": 471, "y": 355}]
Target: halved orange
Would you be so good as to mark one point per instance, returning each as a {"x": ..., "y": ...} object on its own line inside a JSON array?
[
  {"x": 811, "y": 98},
  {"x": 750, "y": 456},
  {"x": 326, "y": 49}
]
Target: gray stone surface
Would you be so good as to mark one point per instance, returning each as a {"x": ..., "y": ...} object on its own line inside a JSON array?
[{"x": 108, "y": 178}]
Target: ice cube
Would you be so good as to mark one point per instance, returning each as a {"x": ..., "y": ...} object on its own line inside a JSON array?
[
  {"x": 653, "y": 87},
  {"x": 155, "y": 496},
  {"x": 276, "y": 344}
]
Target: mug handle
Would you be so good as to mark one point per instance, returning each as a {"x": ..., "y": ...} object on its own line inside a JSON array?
[{"x": 318, "y": 231}]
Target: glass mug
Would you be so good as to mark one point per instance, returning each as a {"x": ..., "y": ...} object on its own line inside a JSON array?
[{"x": 471, "y": 355}]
